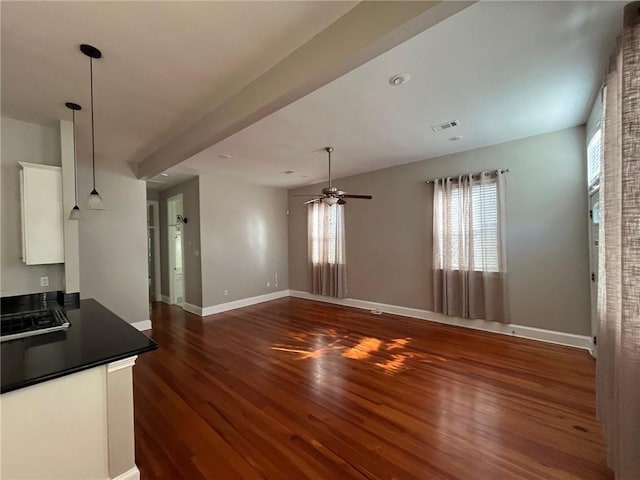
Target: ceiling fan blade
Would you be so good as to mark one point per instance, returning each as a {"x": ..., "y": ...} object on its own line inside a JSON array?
[
  {"x": 313, "y": 200},
  {"x": 341, "y": 202},
  {"x": 365, "y": 197},
  {"x": 305, "y": 195}
]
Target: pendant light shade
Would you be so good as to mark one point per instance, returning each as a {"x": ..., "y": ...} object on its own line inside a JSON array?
[
  {"x": 94, "y": 202},
  {"x": 75, "y": 211}
]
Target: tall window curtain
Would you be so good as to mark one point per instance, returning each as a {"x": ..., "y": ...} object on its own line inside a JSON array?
[
  {"x": 469, "y": 255},
  {"x": 327, "y": 254},
  {"x": 618, "y": 363}
]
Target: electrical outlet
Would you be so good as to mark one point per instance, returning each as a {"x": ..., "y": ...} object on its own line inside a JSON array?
[
  {"x": 44, "y": 281},
  {"x": 268, "y": 284},
  {"x": 225, "y": 293}
]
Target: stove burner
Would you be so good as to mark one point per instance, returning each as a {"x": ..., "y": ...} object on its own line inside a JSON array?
[{"x": 43, "y": 320}]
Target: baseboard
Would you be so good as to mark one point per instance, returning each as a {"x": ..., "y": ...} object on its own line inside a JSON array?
[
  {"x": 189, "y": 307},
  {"x": 165, "y": 299},
  {"x": 143, "y": 325},
  {"x": 131, "y": 474},
  {"x": 522, "y": 331},
  {"x": 532, "y": 333},
  {"x": 245, "y": 302}
]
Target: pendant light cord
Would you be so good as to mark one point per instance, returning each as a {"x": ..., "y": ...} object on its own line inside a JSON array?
[
  {"x": 75, "y": 159},
  {"x": 93, "y": 147}
]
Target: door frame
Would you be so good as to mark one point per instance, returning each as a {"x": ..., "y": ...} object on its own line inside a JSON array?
[
  {"x": 593, "y": 268},
  {"x": 171, "y": 222},
  {"x": 156, "y": 249}
]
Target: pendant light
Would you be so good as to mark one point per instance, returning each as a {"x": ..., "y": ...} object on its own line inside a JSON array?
[
  {"x": 75, "y": 211},
  {"x": 94, "y": 201}
]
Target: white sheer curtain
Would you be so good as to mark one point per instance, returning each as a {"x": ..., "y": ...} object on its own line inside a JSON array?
[
  {"x": 327, "y": 253},
  {"x": 618, "y": 363},
  {"x": 469, "y": 255}
]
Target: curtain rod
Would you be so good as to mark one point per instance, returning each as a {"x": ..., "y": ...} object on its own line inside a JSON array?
[{"x": 502, "y": 170}]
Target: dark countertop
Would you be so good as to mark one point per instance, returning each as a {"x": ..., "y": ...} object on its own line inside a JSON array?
[{"x": 96, "y": 337}]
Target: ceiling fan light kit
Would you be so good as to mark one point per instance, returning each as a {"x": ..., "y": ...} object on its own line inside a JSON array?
[{"x": 332, "y": 195}]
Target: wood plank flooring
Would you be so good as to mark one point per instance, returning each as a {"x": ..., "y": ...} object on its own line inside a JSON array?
[{"x": 296, "y": 389}]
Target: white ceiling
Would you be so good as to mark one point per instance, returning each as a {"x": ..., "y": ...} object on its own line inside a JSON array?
[
  {"x": 504, "y": 70},
  {"x": 165, "y": 64}
]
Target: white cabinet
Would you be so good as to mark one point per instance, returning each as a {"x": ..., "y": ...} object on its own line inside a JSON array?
[
  {"x": 77, "y": 426},
  {"x": 42, "y": 214}
]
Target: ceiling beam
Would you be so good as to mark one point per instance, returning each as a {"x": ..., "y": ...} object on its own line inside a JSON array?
[{"x": 366, "y": 31}]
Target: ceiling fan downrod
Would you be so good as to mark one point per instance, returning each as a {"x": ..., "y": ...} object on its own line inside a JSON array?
[{"x": 329, "y": 150}]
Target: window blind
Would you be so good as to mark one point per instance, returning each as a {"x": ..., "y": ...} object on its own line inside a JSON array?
[
  {"x": 324, "y": 233},
  {"x": 594, "y": 151},
  {"x": 481, "y": 232}
]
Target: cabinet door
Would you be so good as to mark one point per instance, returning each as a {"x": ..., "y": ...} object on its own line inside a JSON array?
[{"x": 42, "y": 214}]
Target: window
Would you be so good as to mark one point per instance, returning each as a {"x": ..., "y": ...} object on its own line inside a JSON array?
[
  {"x": 594, "y": 151},
  {"x": 469, "y": 243},
  {"x": 327, "y": 235}
]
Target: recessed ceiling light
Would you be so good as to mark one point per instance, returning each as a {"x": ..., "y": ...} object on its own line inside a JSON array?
[
  {"x": 399, "y": 79},
  {"x": 222, "y": 155},
  {"x": 164, "y": 174},
  {"x": 456, "y": 138}
]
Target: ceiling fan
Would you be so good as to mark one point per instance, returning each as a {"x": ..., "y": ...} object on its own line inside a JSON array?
[{"x": 331, "y": 195}]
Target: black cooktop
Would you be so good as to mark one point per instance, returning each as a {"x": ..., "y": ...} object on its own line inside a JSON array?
[
  {"x": 96, "y": 337},
  {"x": 34, "y": 322}
]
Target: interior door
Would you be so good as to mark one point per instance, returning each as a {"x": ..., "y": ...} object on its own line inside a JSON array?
[
  {"x": 176, "y": 253},
  {"x": 594, "y": 237},
  {"x": 178, "y": 269},
  {"x": 151, "y": 265}
]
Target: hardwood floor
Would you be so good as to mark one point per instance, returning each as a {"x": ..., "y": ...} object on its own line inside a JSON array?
[{"x": 295, "y": 389}]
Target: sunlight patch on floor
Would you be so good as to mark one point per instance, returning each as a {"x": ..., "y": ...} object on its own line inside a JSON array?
[{"x": 388, "y": 355}]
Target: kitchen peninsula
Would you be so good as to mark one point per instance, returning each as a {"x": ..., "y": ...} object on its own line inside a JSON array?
[{"x": 67, "y": 396}]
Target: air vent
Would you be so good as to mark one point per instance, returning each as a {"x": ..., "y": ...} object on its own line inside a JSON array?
[{"x": 445, "y": 126}]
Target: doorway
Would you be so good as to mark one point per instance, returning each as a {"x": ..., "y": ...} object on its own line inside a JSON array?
[
  {"x": 153, "y": 250},
  {"x": 594, "y": 245},
  {"x": 176, "y": 251}
]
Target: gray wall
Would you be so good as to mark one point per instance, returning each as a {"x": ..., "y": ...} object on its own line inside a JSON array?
[
  {"x": 389, "y": 239},
  {"x": 153, "y": 195},
  {"x": 192, "y": 266},
  {"x": 23, "y": 142},
  {"x": 113, "y": 242},
  {"x": 244, "y": 239}
]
